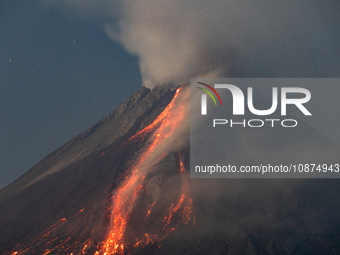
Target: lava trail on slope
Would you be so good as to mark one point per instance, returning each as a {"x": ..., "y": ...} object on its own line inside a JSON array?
[{"x": 127, "y": 218}]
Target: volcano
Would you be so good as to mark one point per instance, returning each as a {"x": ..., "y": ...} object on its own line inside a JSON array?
[{"x": 123, "y": 187}]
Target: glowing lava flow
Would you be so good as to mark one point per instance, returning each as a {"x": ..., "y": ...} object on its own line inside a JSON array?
[
  {"x": 127, "y": 194},
  {"x": 124, "y": 197},
  {"x": 187, "y": 213}
]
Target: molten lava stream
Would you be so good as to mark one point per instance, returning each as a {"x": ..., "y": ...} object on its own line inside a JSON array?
[{"x": 125, "y": 196}]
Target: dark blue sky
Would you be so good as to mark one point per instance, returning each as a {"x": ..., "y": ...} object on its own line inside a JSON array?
[{"x": 57, "y": 78}]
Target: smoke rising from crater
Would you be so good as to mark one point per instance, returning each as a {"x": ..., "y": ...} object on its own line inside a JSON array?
[{"x": 177, "y": 40}]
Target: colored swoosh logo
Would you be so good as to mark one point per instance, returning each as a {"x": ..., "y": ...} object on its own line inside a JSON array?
[{"x": 208, "y": 92}]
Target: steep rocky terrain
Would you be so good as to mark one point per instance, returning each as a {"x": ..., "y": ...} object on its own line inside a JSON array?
[
  {"x": 72, "y": 176},
  {"x": 68, "y": 196}
]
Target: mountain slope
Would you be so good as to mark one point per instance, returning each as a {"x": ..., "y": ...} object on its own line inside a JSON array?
[
  {"x": 73, "y": 175},
  {"x": 129, "y": 117},
  {"x": 130, "y": 192}
]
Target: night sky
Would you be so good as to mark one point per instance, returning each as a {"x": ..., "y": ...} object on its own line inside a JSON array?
[{"x": 58, "y": 76}]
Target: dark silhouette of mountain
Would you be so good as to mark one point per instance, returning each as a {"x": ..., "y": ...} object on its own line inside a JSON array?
[{"x": 75, "y": 198}]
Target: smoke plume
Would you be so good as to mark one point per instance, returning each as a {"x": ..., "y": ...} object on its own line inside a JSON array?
[{"x": 178, "y": 40}]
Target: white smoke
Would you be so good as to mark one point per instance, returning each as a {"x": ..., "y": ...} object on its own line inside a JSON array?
[{"x": 178, "y": 40}]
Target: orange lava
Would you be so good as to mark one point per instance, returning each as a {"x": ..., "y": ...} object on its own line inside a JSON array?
[
  {"x": 125, "y": 196},
  {"x": 168, "y": 122}
]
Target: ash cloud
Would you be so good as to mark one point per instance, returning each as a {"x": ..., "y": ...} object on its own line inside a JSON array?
[{"x": 178, "y": 40}]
